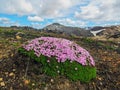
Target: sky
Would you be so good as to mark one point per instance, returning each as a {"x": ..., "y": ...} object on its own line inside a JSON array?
[{"x": 77, "y": 13}]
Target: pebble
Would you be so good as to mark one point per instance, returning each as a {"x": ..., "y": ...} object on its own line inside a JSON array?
[
  {"x": 11, "y": 74},
  {"x": 99, "y": 78},
  {"x": 46, "y": 88},
  {"x": 13, "y": 70},
  {"x": 101, "y": 83},
  {"x": 33, "y": 84},
  {"x": 18, "y": 37},
  {"x": 52, "y": 80},
  {"x": 2, "y": 84},
  {"x": 1, "y": 79},
  {"x": 6, "y": 73},
  {"x": 26, "y": 82}
]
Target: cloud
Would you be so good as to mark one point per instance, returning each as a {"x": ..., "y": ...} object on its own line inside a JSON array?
[
  {"x": 100, "y": 11},
  {"x": 19, "y": 7},
  {"x": 41, "y": 8},
  {"x": 71, "y": 22},
  {"x": 68, "y": 12},
  {"x": 36, "y": 25},
  {"x": 35, "y": 18},
  {"x": 7, "y": 22},
  {"x": 4, "y": 20},
  {"x": 55, "y": 8}
]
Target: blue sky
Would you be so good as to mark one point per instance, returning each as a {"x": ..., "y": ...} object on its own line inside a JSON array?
[{"x": 39, "y": 13}]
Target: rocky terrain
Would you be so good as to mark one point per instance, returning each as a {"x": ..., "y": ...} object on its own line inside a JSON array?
[
  {"x": 108, "y": 31},
  {"x": 61, "y": 29},
  {"x": 21, "y": 73}
]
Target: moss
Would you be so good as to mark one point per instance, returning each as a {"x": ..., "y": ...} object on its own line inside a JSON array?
[{"x": 72, "y": 70}]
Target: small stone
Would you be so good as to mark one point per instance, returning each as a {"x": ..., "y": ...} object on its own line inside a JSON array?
[
  {"x": 26, "y": 82},
  {"x": 52, "y": 80},
  {"x": 101, "y": 83},
  {"x": 11, "y": 74},
  {"x": 2, "y": 84},
  {"x": 33, "y": 84},
  {"x": 46, "y": 88},
  {"x": 99, "y": 78},
  {"x": 13, "y": 69},
  {"x": 18, "y": 37},
  {"x": 1, "y": 79},
  {"x": 6, "y": 73}
]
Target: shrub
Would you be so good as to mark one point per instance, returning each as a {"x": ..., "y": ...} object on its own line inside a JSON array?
[{"x": 61, "y": 57}]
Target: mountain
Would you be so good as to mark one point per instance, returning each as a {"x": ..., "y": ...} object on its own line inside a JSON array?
[
  {"x": 107, "y": 32},
  {"x": 58, "y": 28},
  {"x": 111, "y": 31}
]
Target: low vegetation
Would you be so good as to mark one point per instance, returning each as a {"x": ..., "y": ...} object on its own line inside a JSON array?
[
  {"x": 61, "y": 57},
  {"x": 23, "y": 72}
]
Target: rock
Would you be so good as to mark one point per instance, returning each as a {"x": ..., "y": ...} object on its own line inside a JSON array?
[
  {"x": 33, "y": 84},
  {"x": 101, "y": 83},
  {"x": 52, "y": 80},
  {"x": 99, "y": 78},
  {"x": 18, "y": 37},
  {"x": 2, "y": 84},
  {"x": 1, "y": 79},
  {"x": 46, "y": 88},
  {"x": 11, "y": 74},
  {"x": 26, "y": 82},
  {"x": 14, "y": 70},
  {"x": 6, "y": 73}
]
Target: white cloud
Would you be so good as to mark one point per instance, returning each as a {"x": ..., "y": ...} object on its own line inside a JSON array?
[
  {"x": 36, "y": 25},
  {"x": 4, "y": 20},
  {"x": 7, "y": 22},
  {"x": 42, "y": 8},
  {"x": 71, "y": 22},
  {"x": 55, "y": 8},
  {"x": 35, "y": 18},
  {"x": 75, "y": 11},
  {"x": 100, "y": 10},
  {"x": 20, "y": 7}
]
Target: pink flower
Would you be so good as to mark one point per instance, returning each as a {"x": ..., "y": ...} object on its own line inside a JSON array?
[{"x": 61, "y": 49}]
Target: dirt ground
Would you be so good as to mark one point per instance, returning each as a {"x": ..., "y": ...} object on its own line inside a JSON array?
[{"x": 18, "y": 72}]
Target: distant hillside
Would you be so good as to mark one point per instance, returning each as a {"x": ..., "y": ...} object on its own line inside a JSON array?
[
  {"x": 22, "y": 28},
  {"x": 58, "y": 28},
  {"x": 108, "y": 31}
]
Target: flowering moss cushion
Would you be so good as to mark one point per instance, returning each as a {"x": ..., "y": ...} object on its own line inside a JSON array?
[{"x": 61, "y": 56}]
